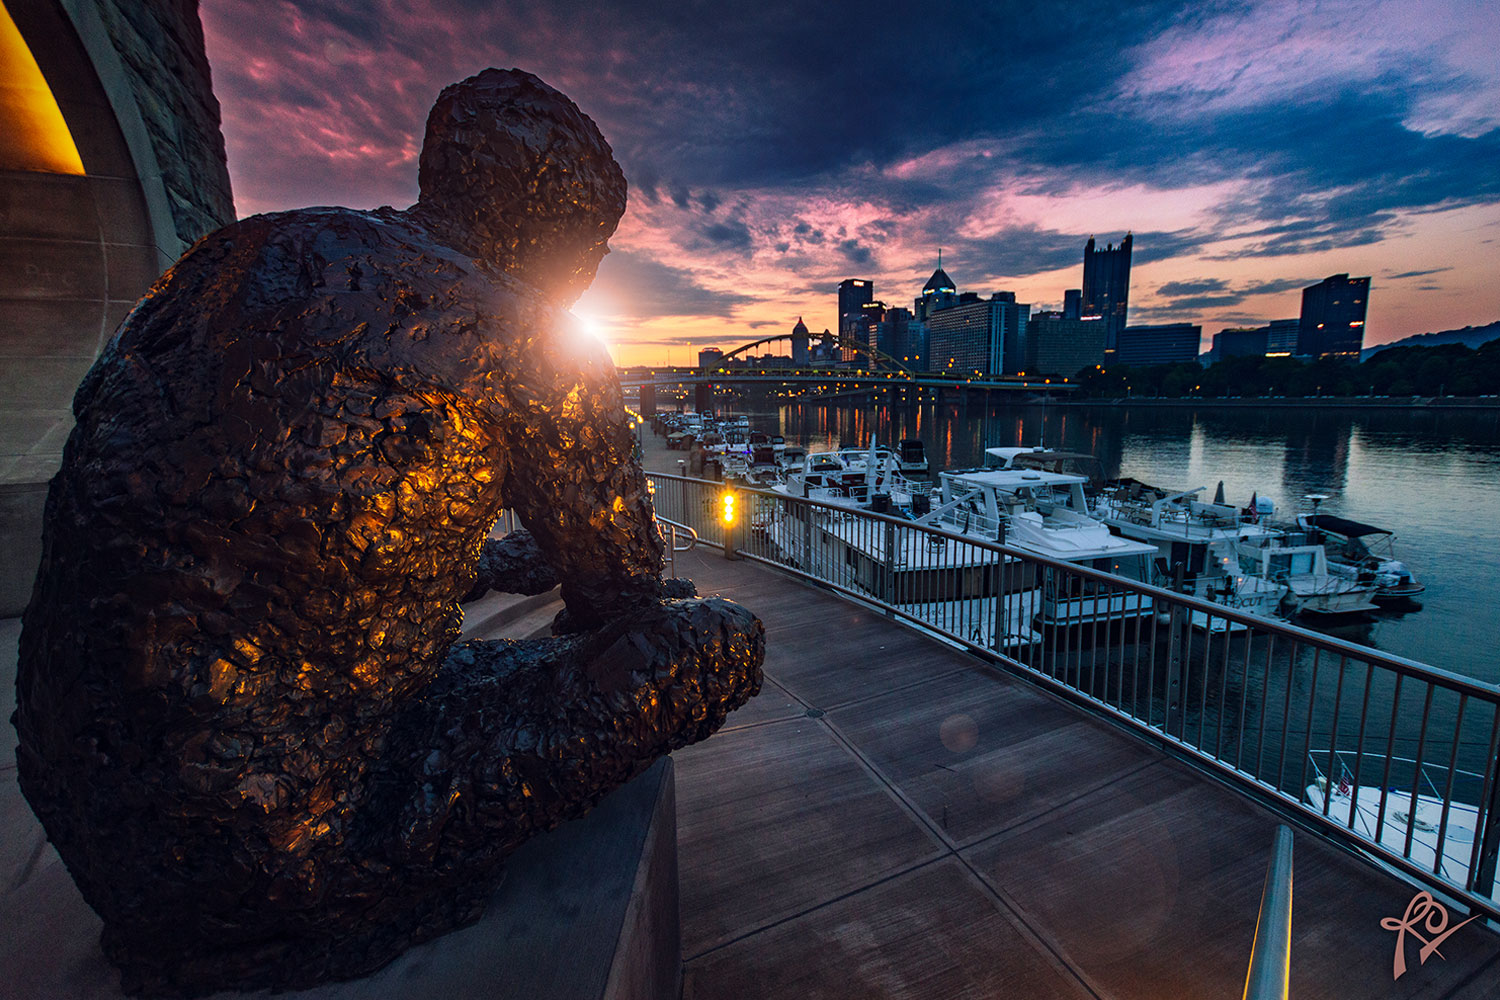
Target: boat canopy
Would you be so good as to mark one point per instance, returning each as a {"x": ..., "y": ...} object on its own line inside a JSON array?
[
  {"x": 1014, "y": 479},
  {"x": 1335, "y": 525}
]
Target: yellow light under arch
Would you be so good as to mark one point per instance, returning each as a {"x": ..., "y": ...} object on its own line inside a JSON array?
[{"x": 33, "y": 134}]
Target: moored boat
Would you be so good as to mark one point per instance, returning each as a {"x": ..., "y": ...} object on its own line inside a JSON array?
[
  {"x": 1196, "y": 543},
  {"x": 1363, "y": 551}
]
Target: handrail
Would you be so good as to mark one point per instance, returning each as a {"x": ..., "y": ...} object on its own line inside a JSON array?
[
  {"x": 672, "y": 547},
  {"x": 676, "y": 526},
  {"x": 1269, "y": 975}
]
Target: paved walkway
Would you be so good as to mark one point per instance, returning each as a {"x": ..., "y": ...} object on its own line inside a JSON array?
[{"x": 892, "y": 818}]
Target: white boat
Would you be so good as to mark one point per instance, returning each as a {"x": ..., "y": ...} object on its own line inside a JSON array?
[
  {"x": 1457, "y": 824},
  {"x": 904, "y": 568},
  {"x": 1038, "y": 512},
  {"x": 1362, "y": 552},
  {"x": 862, "y": 477},
  {"x": 1201, "y": 539},
  {"x": 911, "y": 457},
  {"x": 763, "y": 469},
  {"x": 1311, "y": 589}
]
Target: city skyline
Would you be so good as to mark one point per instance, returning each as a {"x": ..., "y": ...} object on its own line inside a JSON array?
[{"x": 1253, "y": 149}]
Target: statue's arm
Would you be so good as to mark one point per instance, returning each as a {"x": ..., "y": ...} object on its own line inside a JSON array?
[
  {"x": 512, "y": 565},
  {"x": 514, "y": 737},
  {"x": 573, "y": 477}
]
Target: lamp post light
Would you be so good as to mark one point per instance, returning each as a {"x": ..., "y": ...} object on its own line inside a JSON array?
[{"x": 732, "y": 520}]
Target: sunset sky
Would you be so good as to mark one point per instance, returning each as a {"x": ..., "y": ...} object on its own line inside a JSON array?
[{"x": 775, "y": 149}]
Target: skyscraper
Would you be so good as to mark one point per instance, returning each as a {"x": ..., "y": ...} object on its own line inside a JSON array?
[
  {"x": 1106, "y": 286},
  {"x": 1333, "y": 317},
  {"x": 1059, "y": 345},
  {"x": 1240, "y": 342},
  {"x": 854, "y": 295},
  {"x": 1163, "y": 344},
  {"x": 987, "y": 336},
  {"x": 903, "y": 337},
  {"x": 938, "y": 293},
  {"x": 1281, "y": 337},
  {"x": 1072, "y": 304},
  {"x": 862, "y": 327}
]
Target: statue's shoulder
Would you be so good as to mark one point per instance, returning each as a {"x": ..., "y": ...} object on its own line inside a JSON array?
[{"x": 263, "y": 268}]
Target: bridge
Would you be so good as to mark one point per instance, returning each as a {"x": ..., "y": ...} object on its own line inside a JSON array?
[
  {"x": 860, "y": 368},
  {"x": 844, "y": 377}
]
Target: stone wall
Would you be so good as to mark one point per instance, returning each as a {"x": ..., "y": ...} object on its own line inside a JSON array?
[{"x": 160, "y": 44}]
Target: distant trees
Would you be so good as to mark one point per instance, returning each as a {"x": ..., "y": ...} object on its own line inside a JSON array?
[{"x": 1451, "y": 369}]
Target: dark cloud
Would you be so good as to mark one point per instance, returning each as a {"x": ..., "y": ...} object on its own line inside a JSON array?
[
  {"x": 729, "y": 234},
  {"x": 1277, "y": 285},
  {"x": 1196, "y": 286},
  {"x": 1185, "y": 298},
  {"x": 854, "y": 253},
  {"x": 1417, "y": 274}
]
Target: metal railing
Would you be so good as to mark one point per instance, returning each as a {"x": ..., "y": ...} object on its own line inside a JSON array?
[
  {"x": 671, "y": 532},
  {"x": 1269, "y": 975},
  {"x": 1268, "y": 707}
]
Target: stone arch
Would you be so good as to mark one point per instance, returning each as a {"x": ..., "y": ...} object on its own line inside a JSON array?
[{"x": 78, "y": 249}]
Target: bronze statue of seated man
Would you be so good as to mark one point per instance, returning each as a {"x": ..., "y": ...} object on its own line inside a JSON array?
[{"x": 244, "y": 718}]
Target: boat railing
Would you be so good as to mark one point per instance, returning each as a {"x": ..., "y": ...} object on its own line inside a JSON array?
[
  {"x": 1407, "y": 777},
  {"x": 1240, "y": 696}
]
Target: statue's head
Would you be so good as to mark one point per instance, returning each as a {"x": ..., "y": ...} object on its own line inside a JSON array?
[{"x": 515, "y": 175}]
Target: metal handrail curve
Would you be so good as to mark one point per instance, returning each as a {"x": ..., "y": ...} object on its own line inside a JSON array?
[
  {"x": 1269, "y": 975},
  {"x": 673, "y": 548}
]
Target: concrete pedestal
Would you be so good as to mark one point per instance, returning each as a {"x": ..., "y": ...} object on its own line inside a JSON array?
[{"x": 588, "y": 911}]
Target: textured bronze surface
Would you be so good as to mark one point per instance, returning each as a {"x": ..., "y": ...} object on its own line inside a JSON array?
[
  {"x": 243, "y": 719},
  {"x": 514, "y": 564}
]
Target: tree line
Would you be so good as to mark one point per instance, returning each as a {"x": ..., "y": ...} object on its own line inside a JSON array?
[{"x": 1448, "y": 370}]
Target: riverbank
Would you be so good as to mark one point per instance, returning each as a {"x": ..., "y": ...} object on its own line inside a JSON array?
[{"x": 1292, "y": 402}]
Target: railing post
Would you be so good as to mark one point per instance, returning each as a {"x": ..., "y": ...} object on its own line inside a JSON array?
[
  {"x": 1174, "y": 650},
  {"x": 888, "y": 584},
  {"x": 1484, "y": 875},
  {"x": 998, "y": 631},
  {"x": 1271, "y": 953},
  {"x": 807, "y": 549}
]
